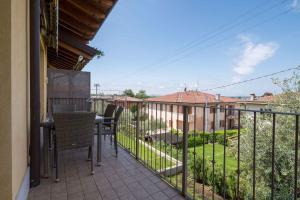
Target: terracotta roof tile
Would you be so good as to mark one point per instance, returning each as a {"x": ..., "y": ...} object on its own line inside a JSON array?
[
  {"x": 191, "y": 97},
  {"x": 127, "y": 98}
]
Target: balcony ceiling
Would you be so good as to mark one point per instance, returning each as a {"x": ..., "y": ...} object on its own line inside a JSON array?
[{"x": 78, "y": 23}]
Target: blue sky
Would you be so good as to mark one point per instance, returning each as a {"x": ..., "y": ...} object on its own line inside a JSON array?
[{"x": 163, "y": 46}]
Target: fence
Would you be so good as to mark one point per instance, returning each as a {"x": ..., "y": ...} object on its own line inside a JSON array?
[{"x": 208, "y": 152}]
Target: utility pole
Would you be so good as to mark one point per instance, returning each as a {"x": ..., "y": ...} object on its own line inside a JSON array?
[{"x": 96, "y": 85}]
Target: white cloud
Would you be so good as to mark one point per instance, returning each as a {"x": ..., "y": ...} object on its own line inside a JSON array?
[
  {"x": 252, "y": 55},
  {"x": 295, "y": 5}
]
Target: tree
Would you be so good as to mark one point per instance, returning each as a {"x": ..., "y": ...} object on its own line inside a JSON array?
[
  {"x": 128, "y": 92},
  {"x": 141, "y": 94},
  {"x": 287, "y": 101}
]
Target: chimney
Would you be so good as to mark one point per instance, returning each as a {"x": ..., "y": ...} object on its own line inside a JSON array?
[
  {"x": 218, "y": 97},
  {"x": 252, "y": 97}
]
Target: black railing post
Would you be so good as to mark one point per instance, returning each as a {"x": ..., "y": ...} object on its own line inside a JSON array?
[
  {"x": 137, "y": 131},
  {"x": 185, "y": 150},
  {"x": 296, "y": 156}
]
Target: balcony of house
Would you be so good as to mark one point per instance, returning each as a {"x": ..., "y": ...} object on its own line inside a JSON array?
[
  {"x": 160, "y": 160},
  {"x": 121, "y": 177}
]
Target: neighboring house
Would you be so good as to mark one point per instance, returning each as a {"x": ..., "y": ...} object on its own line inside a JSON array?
[
  {"x": 125, "y": 101},
  {"x": 257, "y": 102},
  {"x": 160, "y": 107}
]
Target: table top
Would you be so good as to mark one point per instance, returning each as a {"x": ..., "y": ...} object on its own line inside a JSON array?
[{"x": 48, "y": 123}]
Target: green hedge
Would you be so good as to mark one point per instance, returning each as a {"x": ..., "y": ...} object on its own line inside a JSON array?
[
  {"x": 207, "y": 179},
  {"x": 208, "y": 137}
]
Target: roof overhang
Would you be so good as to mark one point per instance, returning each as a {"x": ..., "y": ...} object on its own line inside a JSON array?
[{"x": 76, "y": 22}]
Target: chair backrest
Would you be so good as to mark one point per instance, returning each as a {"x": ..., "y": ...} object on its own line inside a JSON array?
[
  {"x": 74, "y": 129},
  {"x": 61, "y": 108},
  {"x": 109, "y": 111},
  {"x": 118, "y": 113}
]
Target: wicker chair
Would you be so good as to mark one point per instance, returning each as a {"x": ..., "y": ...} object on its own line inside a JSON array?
[
  {"x": 73, "y": 130},
  {"x": 108, "y": 115},
  {"x": 110, "y": 127},
  {"x": 109, "y": 112}
]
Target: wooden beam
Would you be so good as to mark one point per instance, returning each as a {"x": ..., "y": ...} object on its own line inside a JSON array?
[
  {"x": 84, "y": 30},
  {"x": 67, "y": 53},
  {"x": 60, "y": 65},
  {"x": 76, "y": 13},
  {"x": 78, "y": 23},
  {"x": 74, "y": 50},
  {"x": 60, "y": 58},
  {"x": 63, "y": 60},
  {"x": 81, "y": 36},
  {"x": 90, "y": 9},
  {"x": 106, "y": 3},
  {"x": 73, "y": 42}
]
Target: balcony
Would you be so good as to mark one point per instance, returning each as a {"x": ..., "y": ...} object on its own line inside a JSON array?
[
  {"x": 179, "y": 162},
  {"x": 121, "y": 177}
]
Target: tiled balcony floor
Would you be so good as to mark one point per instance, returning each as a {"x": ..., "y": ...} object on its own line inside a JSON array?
[{"x": 119, "y": 177}]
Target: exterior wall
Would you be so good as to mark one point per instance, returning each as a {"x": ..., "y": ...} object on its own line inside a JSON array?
[
  {"x": 5, "y": 101},
  {"x": 14, "y": 82},
  {"x": 166, "y": 115},
  {"x": 253, "y": 106}
]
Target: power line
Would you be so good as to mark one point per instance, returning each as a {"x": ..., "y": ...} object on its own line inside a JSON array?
[
  {"x": 252, "y": 79},
  {"x": 226, "y": 28},
  {"x": 187, "y": 54}
]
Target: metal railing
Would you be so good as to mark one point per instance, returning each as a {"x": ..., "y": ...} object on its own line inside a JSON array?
[{"x": 204, "y": 160}]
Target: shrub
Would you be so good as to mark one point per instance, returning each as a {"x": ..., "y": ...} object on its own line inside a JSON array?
[
  {"x": 215, "y": 177},
  {"x": 198, "y": 139}
]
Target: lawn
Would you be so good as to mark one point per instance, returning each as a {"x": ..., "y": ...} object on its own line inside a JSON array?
[
  {"x": 146, "y": 154},
  {"x": 231, "y": 162}
]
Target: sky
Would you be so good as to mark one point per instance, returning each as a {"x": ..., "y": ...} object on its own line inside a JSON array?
[{"x": 164, "y": 46}]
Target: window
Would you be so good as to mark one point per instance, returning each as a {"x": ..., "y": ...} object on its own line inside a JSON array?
[
  {"x": 222, "y": 109},
  {"x": 222, "y": 123},
  {"x": 212, "y": 110},
  {"x": 190, "y": 110},
  {"x": 231, "y": 112},
  {"x": 180, "y": 109},
  {"x": 212, "y": 125}
]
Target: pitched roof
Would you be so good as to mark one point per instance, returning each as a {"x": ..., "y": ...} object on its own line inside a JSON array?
[
  {"x": 259, "y": 100},
  {"x": 266, "y": 98},
  {"x": 191, "y": 97},
  {"x": 127, "y": 98}
]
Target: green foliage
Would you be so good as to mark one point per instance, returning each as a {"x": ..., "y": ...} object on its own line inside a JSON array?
[
  {"x": 177, "y": 132},
  {"x": 287, "y": 101},
  {"x": 211, "y": 177},
  {"x": 209, "y": 137},
  {"x": 153, "y": 124},
  {"x": 141, "y": 94},
  {"x": 128, "y": 92}
]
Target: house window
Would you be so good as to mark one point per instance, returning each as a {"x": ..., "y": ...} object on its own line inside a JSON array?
[
  {"x": 180, "y": 109},
  {"x": 222, "y": 123},
  {"x": 222, "y": 109},
  {"x": 190, "y": 110},
  {"x": 212, "y": 110},
  {"x": 231, "y": 112},
  {"x": 212, "y": 125}
]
